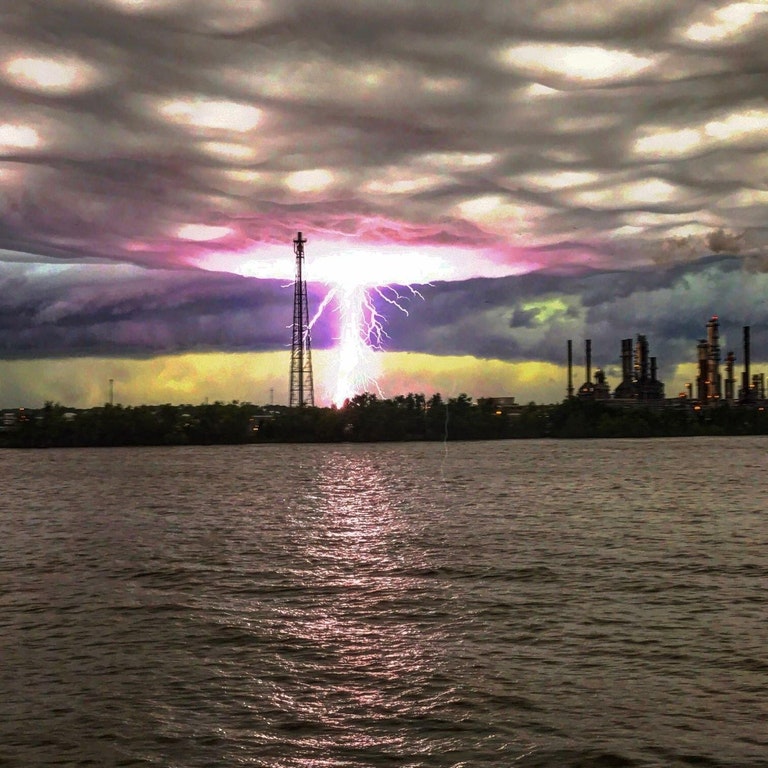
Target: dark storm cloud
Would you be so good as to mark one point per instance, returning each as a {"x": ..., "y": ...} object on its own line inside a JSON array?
[
  {"x": 132, "y": 312},
  {"x": 54, "y": 311},
  {"x": 530, "y": 317},
  {"x": 522, "y": 318}
]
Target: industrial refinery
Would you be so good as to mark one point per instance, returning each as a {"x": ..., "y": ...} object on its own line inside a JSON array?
[{"x": 640, "y": 384}]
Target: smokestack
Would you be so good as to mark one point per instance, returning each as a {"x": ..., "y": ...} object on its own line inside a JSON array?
[
  {"x": 626, "y": 360},
  {"x": 701, "y": 379},
  {"x": 653, "y": 369},
  {"x": 641, "y": 358},
  {"x": 746, "y": 381},
  {"x": 713, "y": 366},
  {"x": 570, "y": 369},
  {"x": 730, "y": 359},
  {"x": 588, "y": 351}
]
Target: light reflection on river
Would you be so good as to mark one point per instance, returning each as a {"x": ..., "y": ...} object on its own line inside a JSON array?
[{"x": 539, "y": 603}]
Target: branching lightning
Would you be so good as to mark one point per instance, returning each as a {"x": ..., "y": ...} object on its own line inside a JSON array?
[{"x": 361, "y": 333}]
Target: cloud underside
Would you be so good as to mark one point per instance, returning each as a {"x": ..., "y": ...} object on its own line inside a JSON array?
[
  {"x": 553, "y": 135},
  {"x": 119, "y": 312}
]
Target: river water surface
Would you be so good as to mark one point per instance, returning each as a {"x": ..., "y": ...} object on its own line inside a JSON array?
[{"x": 526, "y": 603}]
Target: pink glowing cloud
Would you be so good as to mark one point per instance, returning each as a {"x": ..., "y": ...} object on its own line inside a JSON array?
[{"x": 350, "y": 262}]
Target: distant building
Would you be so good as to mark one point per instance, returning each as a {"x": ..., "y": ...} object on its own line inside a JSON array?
[
  {"x": 640, "y": 384},
  {"x": 504, "y": 405},
  {"x": 639, "y": 379},
  {"x": 597, "y": 389},
  {"x": 708, "y": 382}
]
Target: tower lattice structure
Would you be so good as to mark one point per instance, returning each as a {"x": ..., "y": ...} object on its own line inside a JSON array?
[{"x": 302, "y": 387}]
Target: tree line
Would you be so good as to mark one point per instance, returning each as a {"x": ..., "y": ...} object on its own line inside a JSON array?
[{"x": 367, "y": 418}]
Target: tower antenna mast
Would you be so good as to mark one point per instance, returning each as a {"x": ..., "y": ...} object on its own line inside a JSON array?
[{"x": 302, "y": 388}]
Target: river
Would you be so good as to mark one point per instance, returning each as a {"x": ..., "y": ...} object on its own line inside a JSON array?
[{"x": 527, "y": 603}]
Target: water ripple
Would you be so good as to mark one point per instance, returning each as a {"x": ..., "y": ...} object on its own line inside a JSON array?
[{"x": 488, "y": 604}]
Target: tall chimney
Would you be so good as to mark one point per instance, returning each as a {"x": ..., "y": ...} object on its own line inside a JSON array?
[
  {"x": 588, "y": 351},
  {"x": 626, "y": 360},
  {"x": 570, "y": 369},
  {"x": 730, "y": 359},
  {"x": 713, "y": 365},
  {"x": 746, "y": 381},
  {"x": 701, "y": 380},
  {"x": 641, "y": 358}
]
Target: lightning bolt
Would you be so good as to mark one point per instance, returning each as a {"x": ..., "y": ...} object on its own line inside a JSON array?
[{"x": 362, "y": 333}]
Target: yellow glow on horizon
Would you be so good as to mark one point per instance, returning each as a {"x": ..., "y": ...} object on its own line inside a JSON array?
[
  {"x": 684, "y": 373},
  {"x": 404, "y": 372},
  {"x": 187, "y": 378},
  {"x": 249, "y": 377}
]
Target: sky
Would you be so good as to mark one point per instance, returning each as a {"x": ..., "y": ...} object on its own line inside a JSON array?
[{"x": 537, "y": 171}]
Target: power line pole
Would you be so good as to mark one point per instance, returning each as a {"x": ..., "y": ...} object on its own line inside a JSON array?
[{"x": 302, "y": 387}]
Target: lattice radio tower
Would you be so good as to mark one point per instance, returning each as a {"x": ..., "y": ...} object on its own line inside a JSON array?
[{"x": 302, "y": 388}]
